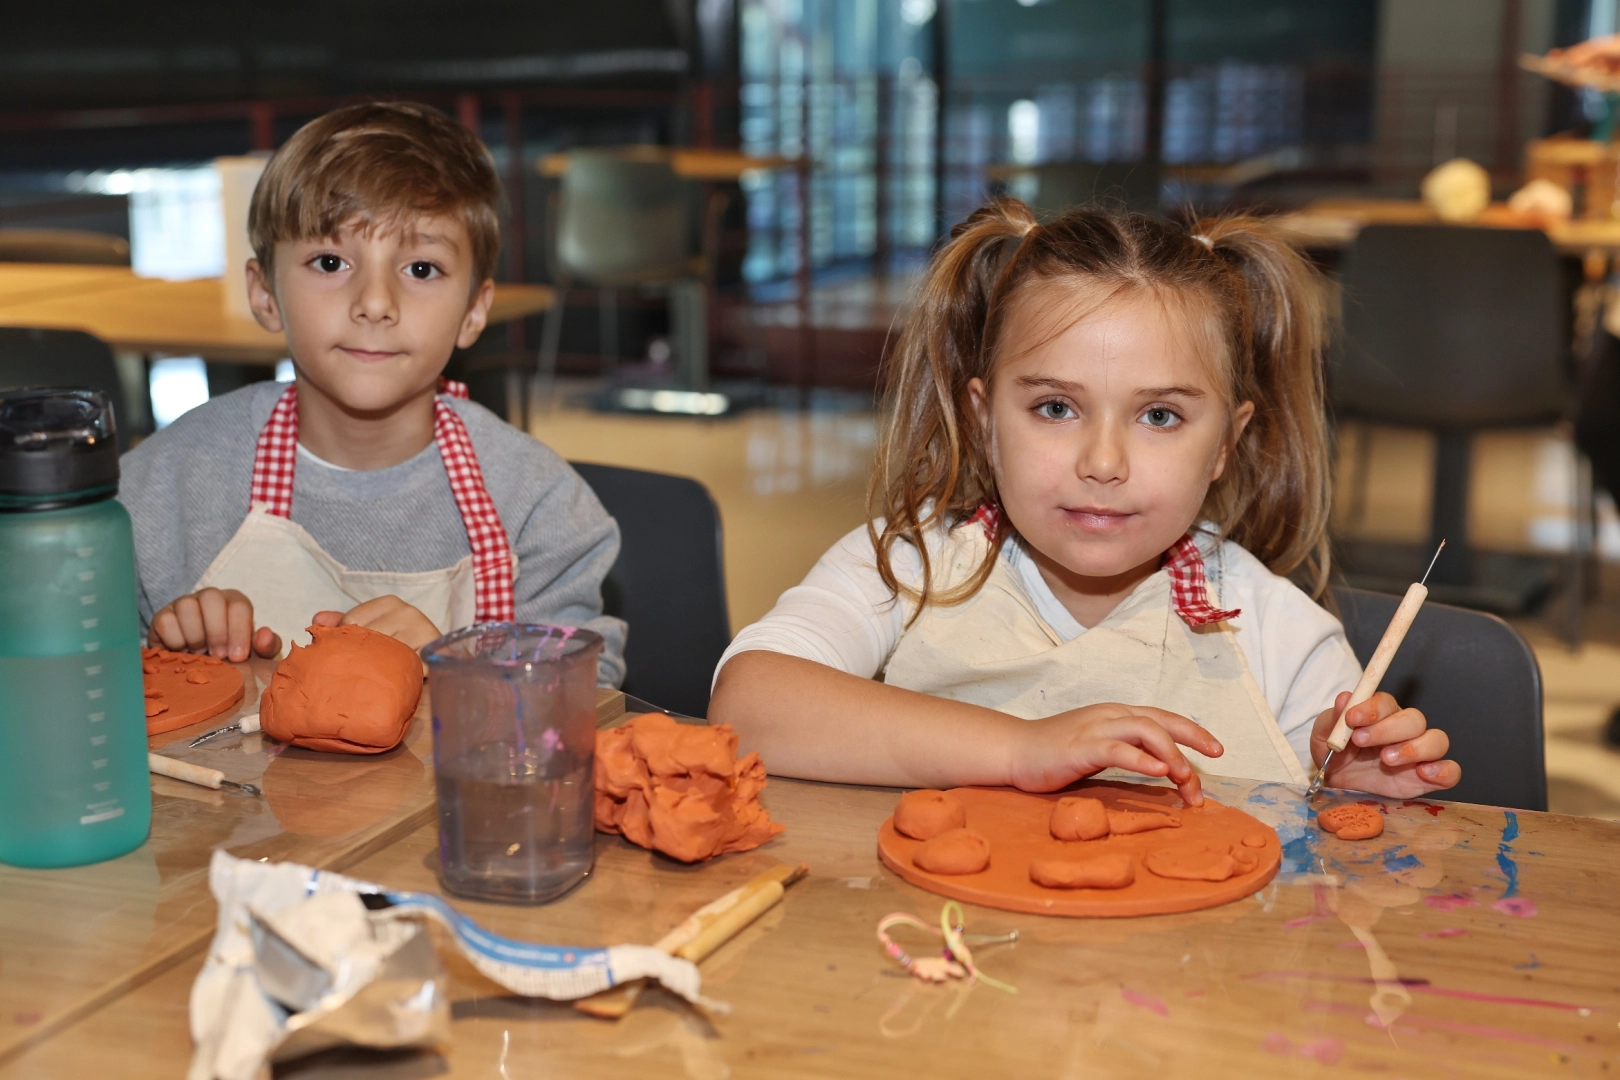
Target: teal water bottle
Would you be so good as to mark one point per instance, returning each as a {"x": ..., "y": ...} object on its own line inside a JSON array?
[{"x": 73, "y": 778}]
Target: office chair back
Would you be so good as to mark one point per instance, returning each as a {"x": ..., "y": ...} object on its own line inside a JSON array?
[
  {"x": 622, "y": 218},
  {"x": 1452, "y": 327},
  {"x": 668, "y": 583},
  {"x": 30, "y": 357},
  {"x": 1473, "y": 677}
]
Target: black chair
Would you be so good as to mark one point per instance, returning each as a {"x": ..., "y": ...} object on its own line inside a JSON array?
[
  {"x": 1476, "y": 679},
  {"x": 30, "y": 357},
  {"x": 1453, "y": 329},
  {"x": 668, "y": 584}
]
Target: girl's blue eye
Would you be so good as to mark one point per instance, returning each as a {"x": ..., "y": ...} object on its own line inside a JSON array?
[
  {"x": 328, "y": 264},
  {"x": 1160, "y": 418},
  {"x": 1054, "y": 410},
  {"x": 422, "y": 270}
]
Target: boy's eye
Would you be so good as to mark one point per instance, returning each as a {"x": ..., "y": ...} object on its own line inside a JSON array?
[
  {"x": 1055, "y": 410},
  {"x": 328, "y": 264},
  {"x": 1160, "y": 418},
  {"x": 422, "y": 270}
]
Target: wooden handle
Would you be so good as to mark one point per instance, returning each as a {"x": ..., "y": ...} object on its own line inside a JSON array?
[
  {"x": 184, "y": 770},
  {"x": 702, "y": 932},
  {"x": 1381, "y": 657},
  {"x": 250, "y": 723}
]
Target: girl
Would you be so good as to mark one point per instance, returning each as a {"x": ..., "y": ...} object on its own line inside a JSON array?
[{"x": 1104, "y": 446}]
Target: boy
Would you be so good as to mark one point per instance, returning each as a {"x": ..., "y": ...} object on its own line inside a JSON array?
[{"x": 375, "y": 231}]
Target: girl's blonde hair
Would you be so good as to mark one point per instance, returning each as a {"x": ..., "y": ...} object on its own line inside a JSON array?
[{"x": 1270, "y": 308}]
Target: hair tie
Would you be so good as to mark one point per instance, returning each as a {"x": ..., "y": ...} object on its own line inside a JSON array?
[{"x": 1206, "y": 241}]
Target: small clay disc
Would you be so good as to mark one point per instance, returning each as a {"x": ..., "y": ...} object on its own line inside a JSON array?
[
  {"x": 1352, "y": 821},
  {"x": 1200, "y": 862},
  {"x": 956, "y": 852},
  {"x": 925, "y": 814},
  {"x": 186, "y": 688}
]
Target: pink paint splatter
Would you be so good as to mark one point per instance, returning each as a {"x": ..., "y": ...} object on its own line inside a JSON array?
[
  {"x": 1320, "y": 910},
  {"x": 1278, "y": 1043},
  {"x": 1520, "y": 907},
  {"x": 1434, "y": 811},
  {"x": 1448, "y": 932},
  {"x": 1327, "y": 1051},
  {"x": 1450, "y": 902},
  {"x": 1151, "y": 1002},
  {"x": 27, "y": 1019}
]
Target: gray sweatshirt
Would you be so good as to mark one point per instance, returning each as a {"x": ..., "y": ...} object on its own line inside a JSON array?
[{"x": 186, "y": 488}]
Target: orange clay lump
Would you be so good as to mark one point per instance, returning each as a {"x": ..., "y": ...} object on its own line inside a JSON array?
[
  {"x": 1103, "y": 872},
  {"x": 186, "y": 688},
  {"x": 1352, "y": 821},
  {"x": 679, "y": 789},
  {"x": 923, "y": 815},
  {"x": 1077, "y": 818},
  {"x": 959, "y": 851},
  {"x": 352, "y": 691}
]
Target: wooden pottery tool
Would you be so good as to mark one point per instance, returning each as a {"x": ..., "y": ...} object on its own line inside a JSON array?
[
  {"x": 704, "y": 931},
  {"x": 247, "y": 725},
  {"x": 1339, "y": 738},
  {"x": 196, "y": 774}
]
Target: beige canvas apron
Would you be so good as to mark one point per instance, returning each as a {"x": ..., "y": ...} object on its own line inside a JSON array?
[
  {"x": 994, "y": 650},
  {"x": 289, "y": 577}
]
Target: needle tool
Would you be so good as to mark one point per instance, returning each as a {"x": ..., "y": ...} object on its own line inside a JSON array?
[
  {"x": 247, "y": 725},
  {"x": 196, "y": 774},
  {"x": 1381, "y": 657}
]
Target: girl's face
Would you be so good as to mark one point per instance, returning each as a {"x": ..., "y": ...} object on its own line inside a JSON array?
[{"x": 1105, "y": 437}]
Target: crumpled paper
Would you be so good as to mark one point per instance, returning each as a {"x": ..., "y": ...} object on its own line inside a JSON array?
[{"x": 303, "y": 960}]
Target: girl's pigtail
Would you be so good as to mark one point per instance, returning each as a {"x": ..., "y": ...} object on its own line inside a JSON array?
[
  {"x": 928, "y": 467},
  {"x": 1275, "y": 496}
]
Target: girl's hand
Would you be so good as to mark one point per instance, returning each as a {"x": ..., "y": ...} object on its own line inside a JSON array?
[
  {"x": 1392, "y": 751},
  {"x": 216, "y": 621},
  {"x": 1055, "y": 752},
  {"x": 387, "y": 615}
]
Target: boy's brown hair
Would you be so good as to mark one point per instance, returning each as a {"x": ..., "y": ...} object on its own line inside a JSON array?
[
  {"x": 377, "y": 166},
  {"x": 1265, "y": 303}
]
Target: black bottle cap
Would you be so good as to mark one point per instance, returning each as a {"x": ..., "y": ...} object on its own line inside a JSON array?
[{"x": 57, "y": 447}]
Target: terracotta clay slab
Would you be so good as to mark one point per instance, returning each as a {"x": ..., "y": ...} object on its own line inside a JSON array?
[
  {"x": 186, "y": 688},
  {"x": 1017, "y": 825}
]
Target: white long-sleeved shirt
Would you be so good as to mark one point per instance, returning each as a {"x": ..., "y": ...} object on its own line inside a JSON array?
[{"x": 843, "y": 616}]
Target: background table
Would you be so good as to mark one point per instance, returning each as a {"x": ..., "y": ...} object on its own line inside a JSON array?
[
  {"x": 1333, "y": 223},
  {"x": 174, "y": 318},
  {"x": 691, "y": 163},
  {"x": 1465, "y": 941}
]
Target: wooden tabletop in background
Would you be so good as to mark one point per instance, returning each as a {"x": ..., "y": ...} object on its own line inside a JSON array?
[
  {"x": 1333, "y": 223},
  {"x": 690, "y": 162},
  {"x": 1466, "y": 941},
  {"x": 174, "y": 318}
]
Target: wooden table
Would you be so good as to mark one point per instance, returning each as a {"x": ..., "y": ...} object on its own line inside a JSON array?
[
  {"x": 73, "y": 940},
  {"x": 690, "y": 162},
  {"x": 1466, "y": 941},
  {"x": 1333, "y": 223},
  {"x": 174, "y": 318}
]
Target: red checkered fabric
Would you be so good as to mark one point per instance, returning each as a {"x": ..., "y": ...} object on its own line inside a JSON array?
[
  {"x": 277, "y": 457},
  {"x": 1189, "y": 588}
]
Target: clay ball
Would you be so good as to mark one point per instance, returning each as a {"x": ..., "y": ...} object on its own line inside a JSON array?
[
  {"x": 923, "y": 815},
  {"x": 1103, "y": 872},
  {"x": 1352, "y": 822},
  {"x": 956, "y": 852},
  {"x": 1077, "y": 818}
]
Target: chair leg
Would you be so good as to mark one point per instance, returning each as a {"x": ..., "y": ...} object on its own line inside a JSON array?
[
  {"x": 550, "y": 342},
  {"x": 689, "y": 323},
  {"x": 1581, "y": 544}
]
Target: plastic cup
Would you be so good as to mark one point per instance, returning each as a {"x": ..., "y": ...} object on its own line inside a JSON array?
[{"x": 514, "y": 741}]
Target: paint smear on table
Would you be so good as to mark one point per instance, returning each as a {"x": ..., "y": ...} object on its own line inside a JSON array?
[
  {"x": 1504, "y": 853},
  {"x": 1327, "y": 1051},
  {"x": 1520, "y": 907},
  {"x": 1450, "y": 902},
  {"x": 1448, "y": 932},
  {"x": 1143, "y": 1000},
  {"x": 1422, "y": 986}
]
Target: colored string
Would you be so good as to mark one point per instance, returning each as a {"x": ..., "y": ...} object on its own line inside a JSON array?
[{"x": 955, "y": 960}]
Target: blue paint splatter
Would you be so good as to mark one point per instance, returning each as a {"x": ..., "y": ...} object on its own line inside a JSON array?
[
  {"x": 1504, "y": 853},
  {"x": 1531, "y": 966},
  {"x": 1394, "y": 860}
]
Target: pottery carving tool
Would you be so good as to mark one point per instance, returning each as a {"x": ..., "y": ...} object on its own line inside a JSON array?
[
  {"x": 247, "y": 725},
  {"x": 196, "y": 774},
  {"x": 704, "y": 931},
  {"x": 1339, "y": 738}
]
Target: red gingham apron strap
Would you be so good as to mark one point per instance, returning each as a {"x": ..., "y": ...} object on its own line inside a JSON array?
[
  {"x": 276, "y": 457},
  {"x": 491, "y": 551},
  {"x": 1189, "y": 588}
]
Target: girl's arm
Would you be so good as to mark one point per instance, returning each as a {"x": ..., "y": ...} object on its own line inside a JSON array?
[{"x": 812, "y": 721}]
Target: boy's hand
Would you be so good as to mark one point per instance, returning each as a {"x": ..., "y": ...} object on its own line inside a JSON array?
[
  {"x": 1057, "y": 751},
  {"x": 1392, "y": 751},
  {"x": 216, "y": 621},
  {"x": 387, "y": 615}
]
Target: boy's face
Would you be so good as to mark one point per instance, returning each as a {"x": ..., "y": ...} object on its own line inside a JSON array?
[{"x": 371, "y": 318}]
